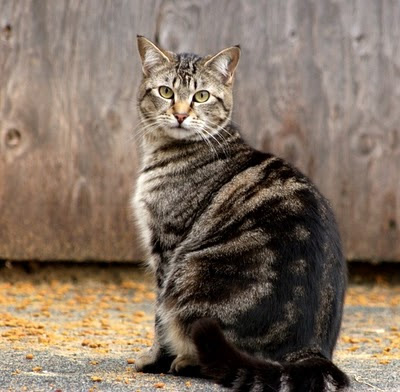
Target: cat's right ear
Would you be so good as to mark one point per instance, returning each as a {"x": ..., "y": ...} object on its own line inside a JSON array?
[{"x": 151, "y": 54}]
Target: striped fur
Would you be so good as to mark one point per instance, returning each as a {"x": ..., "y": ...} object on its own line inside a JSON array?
[{"x": 239, "y": 240}]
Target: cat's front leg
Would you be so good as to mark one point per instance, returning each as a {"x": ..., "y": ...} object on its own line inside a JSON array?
[
  {"x": 157, "y": 358},
  {"x": 154, "y": 360}
]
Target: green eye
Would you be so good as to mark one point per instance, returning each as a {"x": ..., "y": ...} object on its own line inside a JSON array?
[
  {"x": 166, "y": 92},
  {"x": 201, "y": 96}
]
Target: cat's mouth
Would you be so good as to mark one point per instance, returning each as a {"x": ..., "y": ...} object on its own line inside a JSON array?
[
  {"x": 181, "y": 132},
  {"x": 180, "y": 126}
]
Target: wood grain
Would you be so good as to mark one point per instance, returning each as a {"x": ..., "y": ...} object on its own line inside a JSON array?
[
  {"x": 318, "y": 83},
  {"x": 68, "y": 77}
]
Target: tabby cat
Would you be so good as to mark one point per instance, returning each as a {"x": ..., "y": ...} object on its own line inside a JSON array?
[{"x": 245, "y": 250}]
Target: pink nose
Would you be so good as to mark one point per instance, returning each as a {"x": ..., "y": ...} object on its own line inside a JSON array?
[{"x": 181, "y": 117}]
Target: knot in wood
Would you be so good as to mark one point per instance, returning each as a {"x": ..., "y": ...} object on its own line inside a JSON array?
[{"x": 13, "y": 137}]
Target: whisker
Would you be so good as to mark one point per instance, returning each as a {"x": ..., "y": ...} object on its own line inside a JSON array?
[
  {"x": 217, "y": 134},
  {"x": 221, "y": 136},
  {"x": 198, "y": 127},
  {"x": 207, "y": 141},
  {"x": 144, "y": 123},
  {"x": 147, "y": 125},
  {"x": 218, "y": 126},
  {"x": 221, "y": 145},
  {"x": 143, "y": 131}
]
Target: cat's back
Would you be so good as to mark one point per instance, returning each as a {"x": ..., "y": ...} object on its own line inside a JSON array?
[{"x": 257, "y": 190}]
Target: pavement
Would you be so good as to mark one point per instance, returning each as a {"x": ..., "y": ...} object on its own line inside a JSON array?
[{"x": 79, "y": 327}]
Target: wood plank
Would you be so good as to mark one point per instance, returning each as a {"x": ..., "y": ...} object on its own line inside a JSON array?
[
  {"x": 68, "y": 80},
  {"x": 318, "y": 83}
]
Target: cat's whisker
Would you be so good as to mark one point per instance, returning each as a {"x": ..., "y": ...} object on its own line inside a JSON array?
[
  {"x": 199, "y": 131},
  {"x": 144, "y": 120},
  {"x": 198, "y": 128},
  {"x": 142, "y": 125},
  {"x": 146, "y": 123},
  {"x": 220, "y": 144},
  {"x": 218, "y": 126},
  {"x": 224, "y": 145},
  {"x": 209, "y": 142},
  {"x": 143, "y": 131},
  {"x": 217, "y": 134},
  {"x": 208, "y": 131}
]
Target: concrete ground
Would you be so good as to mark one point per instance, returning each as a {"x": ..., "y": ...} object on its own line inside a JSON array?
[{"x": 75, "y": 327}]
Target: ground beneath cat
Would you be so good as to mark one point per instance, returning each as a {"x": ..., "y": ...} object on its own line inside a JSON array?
[{"x": 68, "y": 327}]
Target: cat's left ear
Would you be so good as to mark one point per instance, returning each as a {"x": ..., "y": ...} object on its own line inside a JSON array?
[{"x": 225, "y": 62}]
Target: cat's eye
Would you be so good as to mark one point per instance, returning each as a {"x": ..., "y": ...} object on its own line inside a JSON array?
[
  {"x": 201, "y": 96},
  {"x": 166, "y": 92}
]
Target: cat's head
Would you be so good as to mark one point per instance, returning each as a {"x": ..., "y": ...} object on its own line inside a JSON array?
[{"x": 185, "y": 96}]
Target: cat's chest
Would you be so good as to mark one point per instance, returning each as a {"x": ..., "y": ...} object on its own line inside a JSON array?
[
  {"x": 168, "y": 204},
  {"x": 161, "y": 195}
]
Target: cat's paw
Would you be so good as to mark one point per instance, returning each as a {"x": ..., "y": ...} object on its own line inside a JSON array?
[
  {"x": 185, "y": 366},
  {"x": 152, "y": 361},
  {"x": 145, "y": 359}
]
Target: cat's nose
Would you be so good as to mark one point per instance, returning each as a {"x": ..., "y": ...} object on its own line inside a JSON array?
[{"x": 181, "y": 117}]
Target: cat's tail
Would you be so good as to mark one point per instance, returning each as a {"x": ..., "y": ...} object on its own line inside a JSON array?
[{"x": 232, "y": 368}]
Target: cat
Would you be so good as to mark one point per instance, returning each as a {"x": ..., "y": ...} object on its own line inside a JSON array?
[{"x": 245, "y": 250}]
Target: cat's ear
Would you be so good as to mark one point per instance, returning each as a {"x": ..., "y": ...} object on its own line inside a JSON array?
[
  {"x": 225, "y": 62},
  {"x": 151, "y": 54}
]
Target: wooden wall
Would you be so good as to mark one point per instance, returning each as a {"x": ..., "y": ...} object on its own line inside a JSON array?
[{"x": 318, "y": 83}]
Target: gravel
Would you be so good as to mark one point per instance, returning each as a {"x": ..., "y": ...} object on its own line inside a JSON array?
[{"x": 68, "y": 327}]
